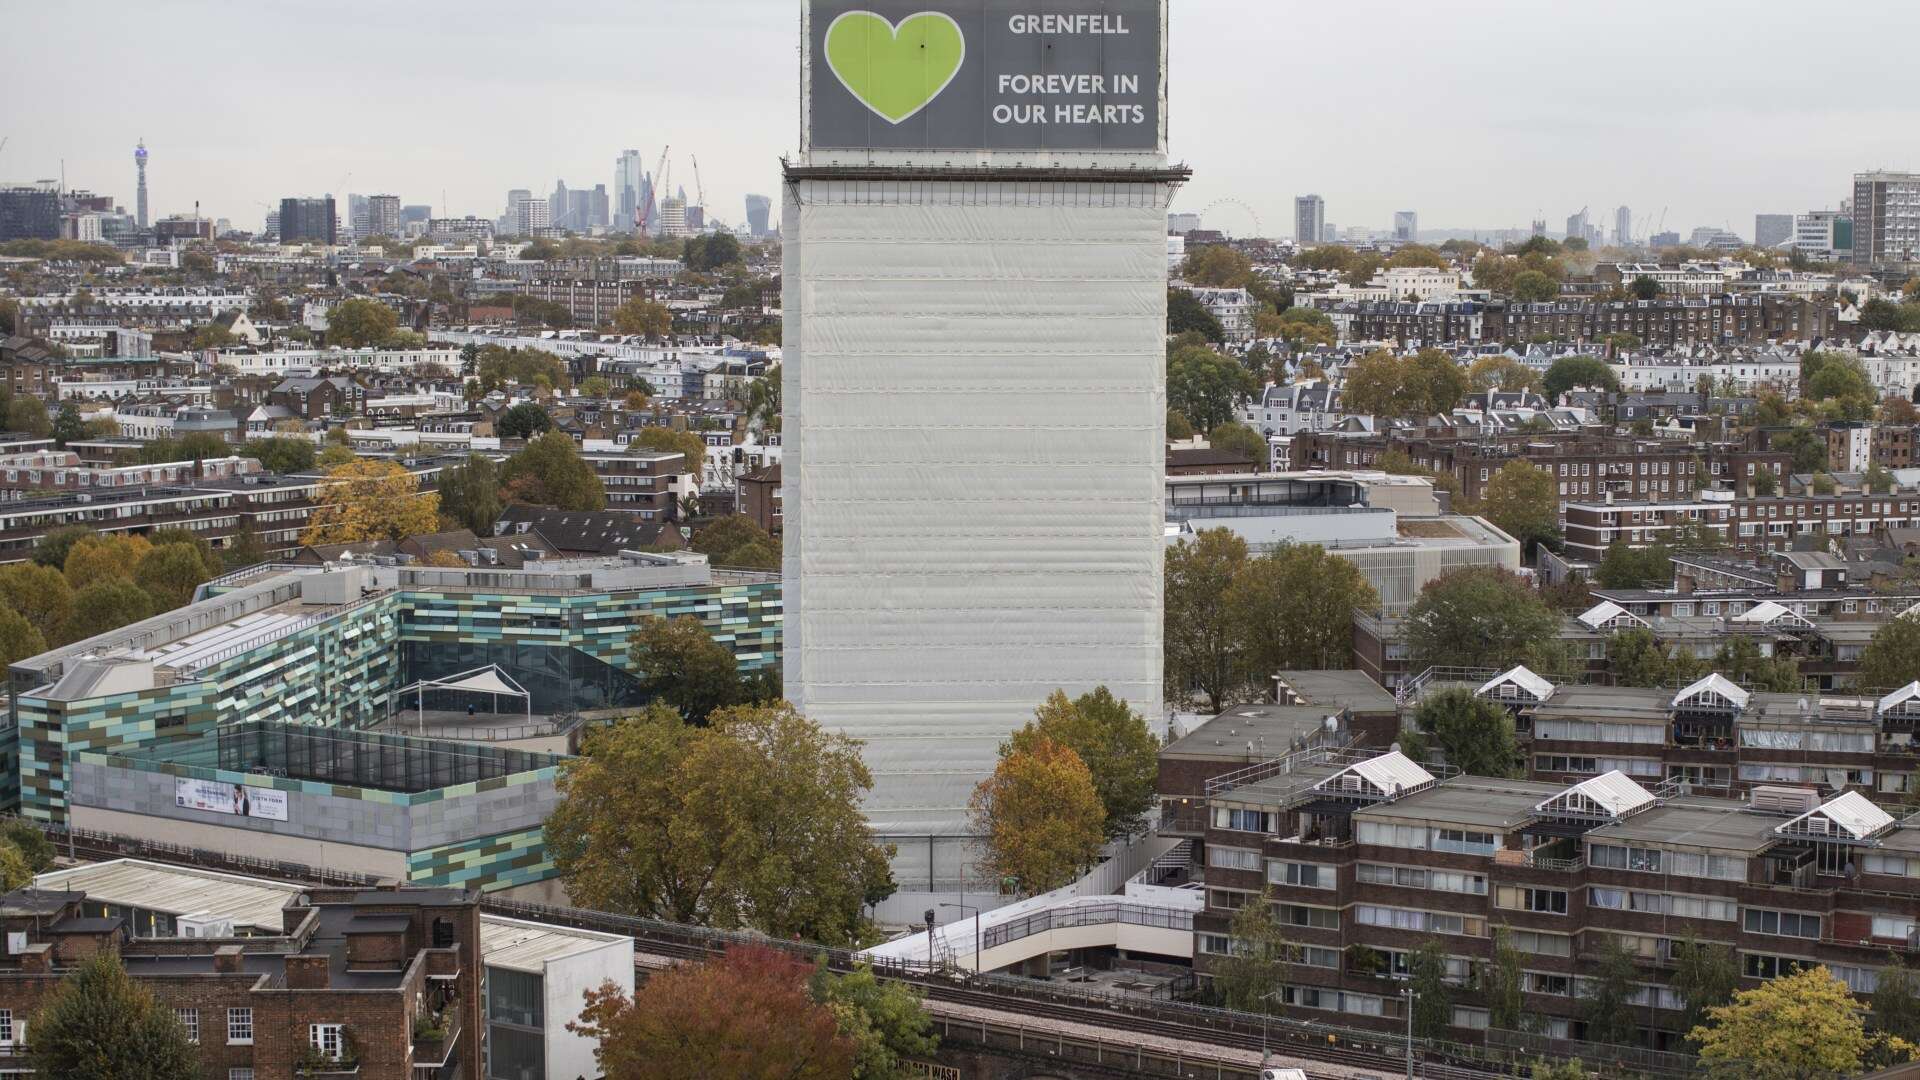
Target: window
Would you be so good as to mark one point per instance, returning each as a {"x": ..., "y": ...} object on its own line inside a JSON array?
[
  {"x": 1897, "y": 927},
  {"x": 239, "y": 1027},
  {"x": 1782, "y": 923},
  {"x": 1228, "y": 899},
  {"x": 328, "y": 1039},
  {"x": 190, "y": 1019},
  {"x": 1215, "y": 944},
  {"x": 1463, "y": 841},
  {"x": 1308, "y": 875},
  {"x": 6, "y": 1028},
  {"x": 1543, "y": 982},
  {"x": 1227, "y": 858},
  {"x": 1301, "y": 915},
  {"x": 240, "y": 1072},
  {"x": 1242, "y": 820},
  {"x": 1541, "y": 944},
  {"x": 1316, "y": 956},
  {"x": 1762, "y": 966},
  {"x": 1464, "y": 1017},
  {"x": 1546, "y": 901}
]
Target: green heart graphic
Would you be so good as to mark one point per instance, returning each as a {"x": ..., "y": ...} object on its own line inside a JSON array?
[{"x": 895, "y": 70}]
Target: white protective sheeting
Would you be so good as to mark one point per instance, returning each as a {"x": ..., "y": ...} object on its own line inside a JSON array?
[{"x": 972, "y": 473}]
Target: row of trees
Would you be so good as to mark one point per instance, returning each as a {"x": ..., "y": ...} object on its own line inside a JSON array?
[
  {"x": 79, "y": 583},
  {"x": 1232, "y": 618}
]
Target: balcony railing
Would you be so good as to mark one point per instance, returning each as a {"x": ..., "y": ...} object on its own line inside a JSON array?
[{"x": 1044, "y": 921}]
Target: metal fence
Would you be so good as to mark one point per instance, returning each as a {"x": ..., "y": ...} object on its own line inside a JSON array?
[{"x": 1094, "y": 915}]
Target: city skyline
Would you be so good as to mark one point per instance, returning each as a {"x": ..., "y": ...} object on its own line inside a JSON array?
[{"x": 503, "y": 120}]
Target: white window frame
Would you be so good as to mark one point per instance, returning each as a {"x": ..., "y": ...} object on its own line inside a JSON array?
[{"x": 240, "y": 1020}]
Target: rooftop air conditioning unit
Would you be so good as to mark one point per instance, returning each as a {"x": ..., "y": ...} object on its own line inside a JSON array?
[{"x": 1784, "y": 800}]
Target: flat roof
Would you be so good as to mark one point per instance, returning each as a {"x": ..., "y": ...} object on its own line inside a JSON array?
[
  {"x": 1340, "y": 688},
  {"x": 1270, "y": 729},
  {"x": 1484, "y": 802},
  {"x": 1718, "y": 824},
  {"x": 530, "y": 947}
]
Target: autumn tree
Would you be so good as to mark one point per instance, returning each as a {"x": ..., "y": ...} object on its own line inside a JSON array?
[
  {"x": 101, "y": 1024},
  {"x": 1253, "y": 973},
  {"x": 104, "y": 557},
  {"x": 470, "y": 495},
  {"x": 1179, "y": 428},
  {"x": 659, "y": 437},
  {"x": 1038, "y": 817},
  {"x": 1705, "y": 976},
  {"x": 1238, "y": 438},
  {"x": 359, "y": 322},
  {"x": 1477, "y": 734},
  {"x": 1522, "y": 501},
  {"x": 1217, "y": 266},
  {"x": 38, "y": 593},
  {"x": 751, "y": 821},
  {"x": 746, "y": 1015},
  {"x": 1299, "y": 327},
  {"x": 19, "y": 638},
  {"x": 366, "y": 499},
  {"x": 1201, "y": 633},
  {"x": 643, "y": 316},
  {"x": 549, "y": 471},
  {"x": 1293, "y": 607},
  {"x": 56, "y": 544},
  {"x": 681, "y": 665},
  {"x": 1802, "y": 1024},
  {"x": 1482, "y": 617},
  {"x": 1112, "y": 739},
  {"x": 106, "y": 605},
  {"x": 171, "y": 573},
  {"x": 1501, "y": 373},
  {"x": 1533, "y": 286},
  {"x": 1892, "y": 656}
]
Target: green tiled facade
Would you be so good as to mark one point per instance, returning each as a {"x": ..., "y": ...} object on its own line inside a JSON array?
[
  {"x": 343, "y": 671},
  {"x": 486, "y": 863}
]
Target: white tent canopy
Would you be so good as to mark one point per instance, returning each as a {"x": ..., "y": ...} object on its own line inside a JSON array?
[
  {"x": 1533, "y": 685},
  {"x": 1389, "y": 775},
  {"x": 1850, "y": 814},
  {"x": 489, "y": 680},
  {"x": 1715, "y": 684},
  {"x": 1604, "y": 613},
  {"x": 1612, "y": 794}
]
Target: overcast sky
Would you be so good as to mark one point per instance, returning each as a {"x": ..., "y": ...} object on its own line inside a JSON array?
[{"x": 1477, "y": 114}]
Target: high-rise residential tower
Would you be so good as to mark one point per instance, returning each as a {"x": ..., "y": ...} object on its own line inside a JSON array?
[
  {"x": 140, "y": 167},
  {"x": 1886, "y": 220},
  {"x": 1309, "y": 219},
  {"x": 1623, "y": 226},
  {"x": 627, "y": 178},
  {"x": 383, "y": 215},
  {"x": 1406, "y": 226},
  {"x": 967, "y": 528},
  {"x": 308, "y": 221}
]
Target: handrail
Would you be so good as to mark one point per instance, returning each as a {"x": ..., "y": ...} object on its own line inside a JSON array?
[{"x": 1041, "y": 922}]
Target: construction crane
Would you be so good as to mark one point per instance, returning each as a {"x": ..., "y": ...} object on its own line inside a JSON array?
[
  {"x": 699, "y": 189},
  {"x": 653, "y": 185}
]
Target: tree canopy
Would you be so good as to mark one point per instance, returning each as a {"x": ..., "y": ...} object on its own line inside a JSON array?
[
  {"x": 1477, "y": 734},
  {"x": 751, "y": 821},
  {"x": 1205, "y": 386},
  {"x": 101, "y": 1024},
  {"x": 549, "y": 471},
  {"x": 681, "y": 665},
  {"x": 1382, "y": 384},
  {"x": 523, "y": 421},
  {"x": 1892, "y": 656},
  {"x": 1482, "y": 617},
  {"x": 1569, "y": 372},
  {"x": 1201, "y": 641},
  {"x": 280, "y": 454},
  {"x": 360, "y": 322},
  {"x": 366, "y": 499},
  {"x": 1252, "y": 975},
  {"x": 1802, "y": 1024},
  {"x": 1501, "y": 373},
  {"x": 1112, "y": 740},
  {"x": 1293, "y": 607},
  {"x": 672, "y": 440},
  {"x": 470, "y": 495},
  {"x": 1522, "y": 500},
  {"x": 642, "y": 316},
  {"x": 1038, "y": 817},
  {"x": 739, "y": 542}
]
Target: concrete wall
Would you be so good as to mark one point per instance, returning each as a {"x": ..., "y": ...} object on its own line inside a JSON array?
[
  {"x": 253, "y": 844},
  {"x": 566, "y": 984}
]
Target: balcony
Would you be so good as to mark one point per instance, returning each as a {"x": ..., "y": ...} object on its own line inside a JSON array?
[
  {"x": 434, "y": 1038},
  {"x": 1178, "y": 819}
]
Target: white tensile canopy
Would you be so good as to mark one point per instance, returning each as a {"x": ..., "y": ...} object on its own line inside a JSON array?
[{"x": 489, "y": 680}]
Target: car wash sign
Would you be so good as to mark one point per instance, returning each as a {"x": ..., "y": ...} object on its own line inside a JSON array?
[{"x": 969, "y": 75}]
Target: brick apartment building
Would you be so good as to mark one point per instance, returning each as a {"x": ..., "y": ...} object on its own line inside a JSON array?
[
  {"x": 1755, "y": 525},
  {"x": 380, "y": 984},
  {"x": 1366, "y": 856},
  {"x": 1584, "y": 465},
  {"x": 645, "y": 483},
  {"x": 1695, "y": 320},
  {"x": 591, "y": 301},
  {"x": 319, "y": 397},
  {"x": 760, "y": 498},
  {"x": 1854, "y": 446}
]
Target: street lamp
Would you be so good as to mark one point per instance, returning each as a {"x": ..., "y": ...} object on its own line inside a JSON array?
[
  {"x": 1410, "y": 995},
  {"x": 964, "y": 908}
]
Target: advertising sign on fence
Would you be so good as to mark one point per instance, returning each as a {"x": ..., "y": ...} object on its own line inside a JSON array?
[{"x": 217, "y": 797}]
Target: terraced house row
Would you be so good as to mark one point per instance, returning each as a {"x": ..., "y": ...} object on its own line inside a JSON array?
[
  {"x": 1364, "y": 856},
  {"x": 274, "y": 717}
]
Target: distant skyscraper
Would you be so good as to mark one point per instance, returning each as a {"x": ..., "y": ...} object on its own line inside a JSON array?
[
  {"x": 272, "y": 229},
  {"x": 599, "y": 208},
  {"x": 1823, "y": 234},
  {"x": 627, "y": 178},
  {"x": 1406, "y": 226},
  {"x": 1770, "y": 230},
  {"x": 1577, "y": 225},
  {"x": 536, "y": 217},
  {"x": 557, "y": 206},
  {"x": 304, "y": 221},
  {"x": 383, "y": 215},
  {"x": 140, "y": 166},
  {"x": 1539, "y": 227},
  {"x": 1623, "y": 226},
  {"x": 696, "y": 219},
  {"x": 1886, "y": 220},
  {"x": 358, "y": 224},
  {"x": 415, "y": 212},
  {"x": 29, "y": 212},
  {"x": 759, "y": 208},
  {"x": 673, "y": 217},
  {"x": 1183, "y": 223},
  {"x": 1309, "y": 219}
]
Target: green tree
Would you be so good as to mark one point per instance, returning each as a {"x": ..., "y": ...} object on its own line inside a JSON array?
[
  {"x": 1543, "y": 1069},
  {"x": 1504, "y": 984},
  {"x": 642, "y": 316},
  {"x": 32, "y": 844},
  {"x": 1204, "y": 386},
  {"x": 1739, "y": 659},
  {"x": 1178, "y": 426},
  {"x": 1705, "y": 976},
  {"x": 107, "y": 605},
  {"x": 1477, "y": 734},
  {"x": 1804, "y": 1024},
  {"x": 549, "y": 471},
  {"x": 1892, "y": 656},
  {"x": 1522, "y": 501},
  {"x": 1252, "y": 975},
  {"x": 1201, "y": 632},
  {"x": 19, "y": 638},
  {"x": 1293, "y": 607},
  {"x": 887, "y": 1021},
  {"x": 1112, "y": 740},
  {"x": 1433, "y": 998},
  {"x": 1217, "y": 266},
  {"x": 751, "y": 821},
  {"x": 100, "y": 1024},
  {"x": 711, "y": 252},
  {"x": 681, "y": 665},
  {"x": 1571, "y": 371},
  {"x": 738, "y": 541},
  {"x": 1878, "y": 480},
  {"x": 1236, "y": 437},
  {"x": 1532, "y": 286},
  {"x": 67, "y": 425},
  {"x": 1644, "y": 288},
  {"x": 29, "y": 417},
  {"x": 170, "y": 573},
  {"x": 15, "y": 871},
  {"x": 359, "y": 322},
  {"x": 280, "y": 454},
  {"x": 470, "y": 494},
  {"x": 524, "y": 421},
  {"x": 1482, "y": 617},
  {"x": 659, "y": 437},
  {"x": 1764, "y": 483},
  {"x": 1609, "y": 1012},
  {"x": 1038, "y": 817},
  {"x": 1896, "y": 1000},
  {"x": 1623, "y": 566}
]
